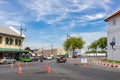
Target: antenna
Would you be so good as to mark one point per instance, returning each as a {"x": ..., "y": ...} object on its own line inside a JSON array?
[{"x": 21, "y": 30}]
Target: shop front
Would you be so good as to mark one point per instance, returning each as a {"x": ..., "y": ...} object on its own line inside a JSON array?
[{"x": 13, "y": 53}]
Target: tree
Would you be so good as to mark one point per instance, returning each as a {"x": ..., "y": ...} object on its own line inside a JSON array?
[
  {"x": 94, "y": 45},
  {"x": 74, "y": 43},
  {"x": 102, "y": 42},
  {"x": 27, "y": 48}
]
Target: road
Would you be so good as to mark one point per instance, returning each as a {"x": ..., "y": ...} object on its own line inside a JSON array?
[{"x": 60, "y": 71}]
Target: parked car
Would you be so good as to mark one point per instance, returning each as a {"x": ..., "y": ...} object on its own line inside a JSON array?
[
  {"x": 1, "y": 61},
  {"x": 7, "y": 60},
  {"x": 35, "y": 58},
  {"x": 47, "y": 57},
  {"x": 40, "y": 58},
  {"x": 61, "y": 59}
]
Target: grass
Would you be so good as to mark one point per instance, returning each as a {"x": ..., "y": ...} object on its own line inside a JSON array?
[{"x": 111, "y": 61}]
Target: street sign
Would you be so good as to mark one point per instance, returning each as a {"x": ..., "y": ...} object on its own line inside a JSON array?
[{"x": 84, "y": 60}]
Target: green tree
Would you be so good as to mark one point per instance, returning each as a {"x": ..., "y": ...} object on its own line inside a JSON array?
[
  {"x": 74, "y": 43},
  {"x": 102, "y": 42},
  {"x": 94, "y": 45}
]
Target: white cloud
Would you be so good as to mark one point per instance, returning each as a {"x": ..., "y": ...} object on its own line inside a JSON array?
[
  {"x": 95, "y": 16},
  {"x": 50, "y": 11},
  {"x": 15, "y": 23},
  {"x": 42, "y": 10},
  {"x": 10, "y": 18}
]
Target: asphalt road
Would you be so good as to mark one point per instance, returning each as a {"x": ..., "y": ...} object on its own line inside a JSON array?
[{"x": 60, "y": 71}]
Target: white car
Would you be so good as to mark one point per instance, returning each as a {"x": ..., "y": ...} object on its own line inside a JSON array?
[
  {"x": 48, "y": 57},
  {"x": 1, "y": 61},
  {"x": 7, "y": 60}
]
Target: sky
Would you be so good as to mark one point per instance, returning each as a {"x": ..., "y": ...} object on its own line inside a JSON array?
[{"x": 48, "y": 22}]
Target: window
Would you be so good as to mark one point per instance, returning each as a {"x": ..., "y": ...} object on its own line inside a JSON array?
[
  {"x": 19, "y": 42},
  {"x": 11, "y": 41},
  {"x": 0, "y": 39},
  {"x": 7, "y": 40},
  {"x": 114, "y": 21},
  {"x": 16, "y": 41}
]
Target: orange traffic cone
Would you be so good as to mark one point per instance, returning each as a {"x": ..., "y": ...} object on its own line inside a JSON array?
[
  {"x": 11, "y": 65},
  {"x": 19, "y": 64},
  {"x": 20, "y": 70},
  {"x": 75, "y": 62},
  {"x": 26, "y": 64},
  {"x": 84, "y": 65},
  {"x": 49, "y": 70}
]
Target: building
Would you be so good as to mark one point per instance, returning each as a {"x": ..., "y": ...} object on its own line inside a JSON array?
[
  {"x": 113, "y": 36},
  {"x": 11, "y": 42},
  {"x": 54, "y": 52}
]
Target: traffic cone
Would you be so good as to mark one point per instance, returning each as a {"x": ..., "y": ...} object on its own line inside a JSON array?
[
  {"x": 19, "y": 64},
  {"x": 49, "y": 70},
  {"x": 84, "y": 65},
  {"x": 19, "y": 70},
  {"x": 26, "y": 64},
  {"x": 75, "y": 62},
  {"x": 11, "y": 65}
]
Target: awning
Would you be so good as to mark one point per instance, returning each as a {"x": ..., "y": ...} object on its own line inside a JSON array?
[{"x": 12, "y": 50}]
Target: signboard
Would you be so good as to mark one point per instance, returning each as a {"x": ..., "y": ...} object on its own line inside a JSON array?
[
  {"x": 84, "y": 60},
  {"x": 76, "y": 52}
]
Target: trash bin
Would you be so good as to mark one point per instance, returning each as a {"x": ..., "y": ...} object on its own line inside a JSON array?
[{"x": 67, "y": 55}]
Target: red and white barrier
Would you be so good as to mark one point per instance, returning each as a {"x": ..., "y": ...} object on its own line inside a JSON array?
[{"x": 106, "y": 64}]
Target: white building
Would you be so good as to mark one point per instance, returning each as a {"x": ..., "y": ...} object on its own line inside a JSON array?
[{"x": 113, "y": 36}]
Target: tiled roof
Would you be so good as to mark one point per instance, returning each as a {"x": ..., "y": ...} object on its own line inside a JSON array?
[
  {"x": 114, "y": 14},
  {"x": 10, "y": 31}
]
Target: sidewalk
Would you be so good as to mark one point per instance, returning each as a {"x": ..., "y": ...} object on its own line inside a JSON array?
[{"x": 105, "y": 64}]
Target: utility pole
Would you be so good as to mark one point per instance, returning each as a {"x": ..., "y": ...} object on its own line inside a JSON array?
[
  {"x": 68, "y": 43},
  {"x": 51, "y": 48},
  {"x": 21, "y": 30},
  {"x": 42, "y": 51}
]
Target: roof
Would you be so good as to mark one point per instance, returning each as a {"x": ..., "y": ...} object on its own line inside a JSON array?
[
  {"x": 10, "y": 31},
  {"x": 114, "y": 14}
]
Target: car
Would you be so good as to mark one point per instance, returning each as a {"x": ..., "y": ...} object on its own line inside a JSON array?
[
  {"x": 40, "y": 58},
  {"x": 1, "y": 61},
  {"x": 7, "y": 60},
  {"x": 61, "y": 59},
  {"x": 35, "y": 58},
  {"x": 47, "y": 57}
]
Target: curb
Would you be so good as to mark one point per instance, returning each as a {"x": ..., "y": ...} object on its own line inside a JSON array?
[{"x": 106, "y": 64}]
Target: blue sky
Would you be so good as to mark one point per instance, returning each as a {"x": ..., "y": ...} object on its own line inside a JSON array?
[{"x": 49, "y": 21}]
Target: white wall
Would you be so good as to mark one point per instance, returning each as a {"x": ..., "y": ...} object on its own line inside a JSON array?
[{"x": 114, "y": 31}]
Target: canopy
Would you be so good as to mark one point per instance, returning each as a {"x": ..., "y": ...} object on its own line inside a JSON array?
[{"x": 12, "y": 50}]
